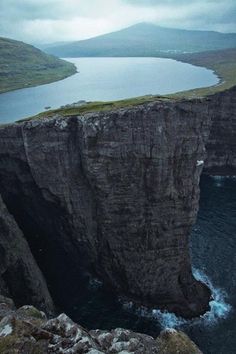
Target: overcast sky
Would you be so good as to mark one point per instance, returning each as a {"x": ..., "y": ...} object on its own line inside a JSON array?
[{"x": 46, "y": 21}]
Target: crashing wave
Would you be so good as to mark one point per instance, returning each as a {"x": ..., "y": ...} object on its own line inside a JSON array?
[{"x": 219, "y": 309}]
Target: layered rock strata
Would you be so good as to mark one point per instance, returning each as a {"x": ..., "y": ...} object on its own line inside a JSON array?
[
  {"x": 221, "y": 145},
  {"x": 112, "y": 194}
]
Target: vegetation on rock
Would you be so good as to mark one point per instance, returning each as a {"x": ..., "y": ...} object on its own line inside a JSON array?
[
  {"x": 21, "y": 333},
  {"x": 22, "y": 65}
]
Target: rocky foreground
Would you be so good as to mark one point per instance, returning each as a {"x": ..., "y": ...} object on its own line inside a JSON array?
[{"x": 28, "y": 331}]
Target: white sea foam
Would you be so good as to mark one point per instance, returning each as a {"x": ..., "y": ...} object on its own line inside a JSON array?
[
  {"x": 219, "y": 309},
  {"x": 168, "y": 319}
]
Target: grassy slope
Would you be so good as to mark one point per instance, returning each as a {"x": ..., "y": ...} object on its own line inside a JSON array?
[
  {"x": 22, "y": 65},
  {"x": 222, "y": 62}
]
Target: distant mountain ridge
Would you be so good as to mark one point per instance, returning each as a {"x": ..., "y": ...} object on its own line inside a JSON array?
[
  {"x": 146, "y": 39},
  {"x": 22, "y": 65}
]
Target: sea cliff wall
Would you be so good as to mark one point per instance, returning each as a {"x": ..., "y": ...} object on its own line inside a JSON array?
[
  {"x": 115, "y": 194},
  {"x": 221, "y": 145}
]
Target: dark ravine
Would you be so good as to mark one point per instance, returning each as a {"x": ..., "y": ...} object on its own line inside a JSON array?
[
  {"x": 114, "y": 195},
  {"x": 20, "y": 276}
]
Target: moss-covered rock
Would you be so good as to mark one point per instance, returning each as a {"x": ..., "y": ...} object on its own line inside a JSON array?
[
  {"x": 28, "y": 331},
  {"x": 171, "y": 341},
  {"x": 31, "y": 311}
]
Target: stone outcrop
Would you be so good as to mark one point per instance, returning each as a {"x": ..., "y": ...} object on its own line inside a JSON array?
[
  {"x": 20, "y": 277},
  {"x": 112, "y": 194},
  {"x": 28, "y": 330}
]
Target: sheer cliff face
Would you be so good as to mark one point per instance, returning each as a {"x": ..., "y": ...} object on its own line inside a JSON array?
[
  {"x": 112, "y": 194},
  {"x": 221, "y": 146}
]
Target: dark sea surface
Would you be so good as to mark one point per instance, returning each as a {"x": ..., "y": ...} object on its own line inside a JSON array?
[
  {"x": 213, "y": 247},
  {"x": 106, "y": 79}
]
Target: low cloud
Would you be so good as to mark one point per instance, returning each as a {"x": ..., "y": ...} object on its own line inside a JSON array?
[{"x": 47, "y": 21}]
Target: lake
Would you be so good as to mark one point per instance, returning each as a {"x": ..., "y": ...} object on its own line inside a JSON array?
[{"x": 106, "y": 79}]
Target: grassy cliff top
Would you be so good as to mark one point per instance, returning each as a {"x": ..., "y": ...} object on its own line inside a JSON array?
[{"x": 22, "y": 65}]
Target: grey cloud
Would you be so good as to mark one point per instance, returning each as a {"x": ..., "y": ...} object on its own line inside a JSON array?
[
  {"x": 201, "y": 14},
  {"x": 22, "y": 19},
  {"x": 34, "y": 9},
  {"x": 169, "y": 2}
]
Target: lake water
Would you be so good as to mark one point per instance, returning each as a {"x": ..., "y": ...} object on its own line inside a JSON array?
[{"x": 106, "y": 79}]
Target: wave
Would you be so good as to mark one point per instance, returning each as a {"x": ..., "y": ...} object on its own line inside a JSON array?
[{"x": 219, "y": 309}]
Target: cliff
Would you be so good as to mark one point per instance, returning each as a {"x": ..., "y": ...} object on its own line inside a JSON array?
[
  {"x": 111, "y": 194},
  {"x": 221, "y": 145}
]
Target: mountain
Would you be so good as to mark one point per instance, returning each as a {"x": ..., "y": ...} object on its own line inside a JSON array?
[
  {"x": 22, "y": 65},
  {"x": 146, "y": 39}
]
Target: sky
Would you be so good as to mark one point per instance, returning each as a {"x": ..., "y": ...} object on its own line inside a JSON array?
[{"x": 48, "y": 21}]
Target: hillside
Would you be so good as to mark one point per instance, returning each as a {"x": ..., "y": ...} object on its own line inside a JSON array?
[
  {"x": 146, "y": 40},
  {"x": 22, "y": 65}
]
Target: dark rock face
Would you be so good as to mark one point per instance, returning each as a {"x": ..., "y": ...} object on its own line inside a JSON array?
[
  {"x": 221, "y": 146},
  {"x": 28, "y": 330},
  {"x": 20, "y": 276},
  {"x": 112, "y": 194}
]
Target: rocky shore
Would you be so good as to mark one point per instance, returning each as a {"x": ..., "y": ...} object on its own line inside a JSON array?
[{"x": 28, "y": 331}]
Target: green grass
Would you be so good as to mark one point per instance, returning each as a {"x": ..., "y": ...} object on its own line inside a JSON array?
[
  {"x": 91, "y": 107},
  {"x": 22, "y": 65}
]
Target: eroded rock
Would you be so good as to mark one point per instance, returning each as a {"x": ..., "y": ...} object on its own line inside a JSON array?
[{"x": 28, "y": 331}]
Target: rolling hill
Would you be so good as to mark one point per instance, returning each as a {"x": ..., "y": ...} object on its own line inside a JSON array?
[
  {"x": 146, "y": 39},
  {"x": 22, "y": 65}
]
